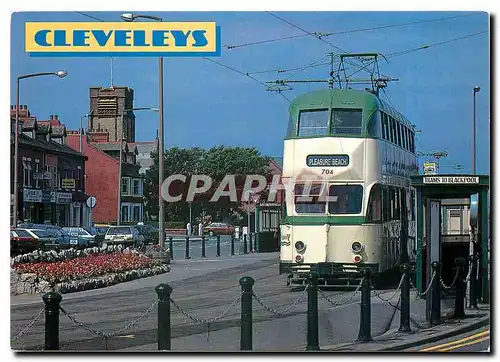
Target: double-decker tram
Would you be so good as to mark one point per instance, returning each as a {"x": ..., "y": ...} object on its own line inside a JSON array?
[{"x": 348, "y": 156}]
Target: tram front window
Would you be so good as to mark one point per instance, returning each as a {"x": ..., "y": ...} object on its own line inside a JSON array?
[
  {"x": 313, "y": 122},
  {"x": 345, "y": 199},
  {"x": 346, "y": 121}
]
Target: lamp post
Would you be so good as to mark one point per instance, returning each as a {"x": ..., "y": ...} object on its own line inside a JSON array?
[
  {"x": 475, "y": 89},
  {"x": 81, "y": 130},
  {"x": 119, "y": 209},
  {"x": 60, "y": 74},
  {"x": 161, "y": 216}
]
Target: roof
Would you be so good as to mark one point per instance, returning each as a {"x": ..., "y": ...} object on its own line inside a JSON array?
[
  {"x": 43, "y": 128},
  {"x": 29, "y": 124},
  {"x": 48, "y": 145},
  {"x": 59, "y": 130},
  {"x": 114, "y": 146},
  {"x": 52, "y": 122},
  {"x": 278, "y": 161}
]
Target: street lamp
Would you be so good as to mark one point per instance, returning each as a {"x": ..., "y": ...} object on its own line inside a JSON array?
[
  {"x": 476, "y": 89},
  {"x": 161, "y": 216},
  {"x": 60, "y": 74},
  {"x": 119, "y": 209},
  {"x": 81, "y": 130}
]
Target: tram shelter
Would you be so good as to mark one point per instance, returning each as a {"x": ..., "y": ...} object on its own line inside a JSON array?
[{"x": 431, "y": 189}]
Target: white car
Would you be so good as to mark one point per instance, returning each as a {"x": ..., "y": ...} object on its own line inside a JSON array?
[{"x": 125, "y": 235}]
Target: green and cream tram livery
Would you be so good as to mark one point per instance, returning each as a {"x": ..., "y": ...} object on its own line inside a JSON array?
[{"x": 359, "y": 152}]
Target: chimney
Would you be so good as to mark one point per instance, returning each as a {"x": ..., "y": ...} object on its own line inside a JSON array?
[
  {"x": 51, "y": 117},
  {"x": 56, "y": 117}
]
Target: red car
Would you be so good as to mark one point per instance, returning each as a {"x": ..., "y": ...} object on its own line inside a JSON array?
[{"x": 218, "y": 228}]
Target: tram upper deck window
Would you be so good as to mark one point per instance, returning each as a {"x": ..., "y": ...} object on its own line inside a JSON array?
[
  {"x": 345, "y": 199},
  {"x": 346, "y": 121},
  {"x": 313, "y": 122},
  {"x": 308, "y": 199}
]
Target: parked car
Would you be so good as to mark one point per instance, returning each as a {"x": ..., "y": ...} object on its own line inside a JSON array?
[
  {"x": 22, "y": 241},
  {"x": 149, "y": 232},
  {"x": 218, "y": 228},
  {"x": 81, "y": 237},
  {"x": 27, "y": 240},
  {"x": 125, "y": 235}
]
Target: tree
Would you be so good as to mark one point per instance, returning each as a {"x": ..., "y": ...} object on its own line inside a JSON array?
[{"x": 216, "y": 163}]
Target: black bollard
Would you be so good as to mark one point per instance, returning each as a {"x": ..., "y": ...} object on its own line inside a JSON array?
[
  {"x": 250, "y": 239},
  {"x": 171, "y": 247},
  {"x": 246, "y": 313},
  {"x": 218, "y": 245},
  {"x": 187, "y": 248},
  {"x": 404, "y": 325},
  {"x": 203, "y": 246},
  {"x": 164, "y": 332},
  {"x": 435, "y": 313},
  {"x": 365, "y": 320},
  {"x": 312, "y": 314},
  {"x": 52, "y": 301},
  {"x": 232, "y": 245},
  {"x": 473, "y": 282},
  {"x": 245, "y": 251},
  {"x": 460, "y": 289}
]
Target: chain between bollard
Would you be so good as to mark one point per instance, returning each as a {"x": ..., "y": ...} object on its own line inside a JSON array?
[
  {"x": 446, "y": 287},
  {"x": 111, "y": 334},
  {"x": 420, "y": 295},
  {"x": 284, "y": 311},
  {"x": 378, "y": 295},
  {"x": 344, "y": 301},
  {"x": 29, "y": 326},
  {"x": 208, "y": 322}
]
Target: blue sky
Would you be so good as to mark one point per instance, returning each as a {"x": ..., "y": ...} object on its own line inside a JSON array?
[{"x": 207, "y": 105}]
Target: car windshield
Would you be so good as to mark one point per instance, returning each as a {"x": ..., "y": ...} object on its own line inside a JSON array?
[
  {"x": 90, "y": 230},
  {"x": 41, "y": 233},
  {"x": 119, "y": 231},
  {"x": 22, "y": 233}
]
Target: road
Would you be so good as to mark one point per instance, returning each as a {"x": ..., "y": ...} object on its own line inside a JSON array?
[
  {"x": 203, "y": 288},
  {"x": 475, "y": 341}
]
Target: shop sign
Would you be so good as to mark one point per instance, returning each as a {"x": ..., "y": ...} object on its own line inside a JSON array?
[
  {"x": 68, "y": 183},
  {"x": 31, "y": 195},
  {"x": 64, "y": 197},
  {"x": 46, "y": 197}
]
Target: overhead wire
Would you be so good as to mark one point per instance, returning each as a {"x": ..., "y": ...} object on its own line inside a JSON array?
[{"x": 348, "y": 31}]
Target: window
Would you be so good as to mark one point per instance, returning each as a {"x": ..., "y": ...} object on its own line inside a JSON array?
[
  {"x": 136, "y": 213},
  {"x": 386, "y": 204},
  {"x": 405, "y": 138},
  {"x": 125, "y": 185},
  {"x": 346, "y": 121},
  {"x": 393, "y": 129},
  {"x": 37, "y": 171},
  {"x": 374, "y": 210},
  {"x": 137, "y": 187},
  {"x": 313, "y": 122},
  {"x": 308, "y": 199},
  {"x": 400, "y": 139},
  {"x": 345, "y": 199},
  {"x": 27, "y": 172},
  {"x": 385, "y": 126},
  {"x": 412, "y": 142},
  {"x": 373, "y": 128},
  {"x": 124, "y": 214}
]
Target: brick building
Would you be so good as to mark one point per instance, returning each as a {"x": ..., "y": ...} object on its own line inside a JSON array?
[
  {"x": 111, "y": 122},
  {"x": 51, "y": 185}
]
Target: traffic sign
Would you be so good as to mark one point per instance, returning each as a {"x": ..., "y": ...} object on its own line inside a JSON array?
[
  {"x": 91, "y": 202},
  {"x": 430, "y": 168}
]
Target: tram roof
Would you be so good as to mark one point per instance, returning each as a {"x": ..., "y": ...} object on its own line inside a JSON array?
[{"x": 345, "y": 98}]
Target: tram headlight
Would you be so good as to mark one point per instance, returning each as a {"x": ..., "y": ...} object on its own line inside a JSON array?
[
  {"x": 357, "y": 259},
  {"x": 299, "y": 258},
  {"x": 356, "y": 247},
  {"x": 300, "y": 246}
]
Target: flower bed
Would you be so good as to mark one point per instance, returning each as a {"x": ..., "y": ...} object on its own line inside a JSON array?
[{"x": 71, "y": 270}]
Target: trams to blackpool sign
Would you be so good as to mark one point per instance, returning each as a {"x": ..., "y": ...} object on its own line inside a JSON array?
[{"x": 451, "y": 180}]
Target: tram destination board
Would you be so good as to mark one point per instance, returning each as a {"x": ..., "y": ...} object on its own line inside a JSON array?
[
  {"x": 451, "y": 180},
  {"x": 327, "y": 160}
]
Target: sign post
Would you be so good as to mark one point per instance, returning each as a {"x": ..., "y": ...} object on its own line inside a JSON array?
[{"x": 91, "y": 202}]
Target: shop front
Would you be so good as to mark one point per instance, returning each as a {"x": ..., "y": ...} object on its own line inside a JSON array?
[{"x": 63, "y": 208}]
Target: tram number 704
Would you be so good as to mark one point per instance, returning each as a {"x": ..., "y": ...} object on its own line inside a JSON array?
[{"x": 326, "y": 171}]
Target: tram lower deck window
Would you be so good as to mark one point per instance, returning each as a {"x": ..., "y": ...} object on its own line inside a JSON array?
[
  {"x": 345, "y": 199},
  {"x": 308, "y": 199}
]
